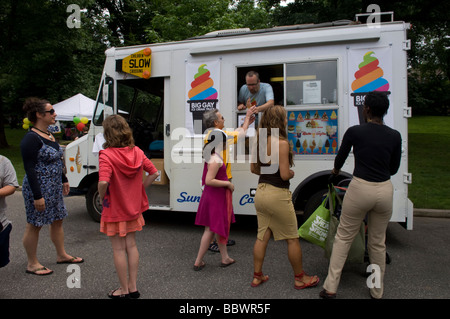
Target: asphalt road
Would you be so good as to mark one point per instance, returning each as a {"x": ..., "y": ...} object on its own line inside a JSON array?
[{"x": 168, "y": 246}]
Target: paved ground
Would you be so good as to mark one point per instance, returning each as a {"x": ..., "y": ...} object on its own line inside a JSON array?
[{"x": 168, "y": 246}]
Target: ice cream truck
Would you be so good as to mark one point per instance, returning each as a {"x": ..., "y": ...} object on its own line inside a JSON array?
[{"x": 319, "y": 73}]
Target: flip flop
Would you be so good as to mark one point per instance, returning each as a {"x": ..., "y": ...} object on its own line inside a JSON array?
[
  {"x": 200, "y": 267},
  {"x": 223, "y": 265},
  {"x": 71, "y": 261},
  {"x": 35, "y": 272}
]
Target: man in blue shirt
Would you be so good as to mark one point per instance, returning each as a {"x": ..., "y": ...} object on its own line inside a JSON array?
[{"x": 255, "y": 93}]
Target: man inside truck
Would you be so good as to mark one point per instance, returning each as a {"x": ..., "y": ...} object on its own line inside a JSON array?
[{"x": 255, "y": 93}]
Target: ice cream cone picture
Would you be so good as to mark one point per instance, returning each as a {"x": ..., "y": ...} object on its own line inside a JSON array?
[
  {"x": 368, "y": 78},
  {"x": 305, "y": 146},
  {"x": 298, "y": 146},
  {"x": 334, "y": 145},
  {"x": 312, "y": 146},
  {"x": 327, "y": 146},
  {"x": 78, "y": 160},
  {"x": 202, "y": 95},
  {"x": 291, "y": 116}
]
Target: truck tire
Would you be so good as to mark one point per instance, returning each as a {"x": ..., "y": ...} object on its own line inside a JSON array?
[
  {"x": 311, "y": 205},
  {"x": 93, "y": 204}
]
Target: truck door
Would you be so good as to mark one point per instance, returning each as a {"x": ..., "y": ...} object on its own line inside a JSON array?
[{"x": 141, "y": 102}]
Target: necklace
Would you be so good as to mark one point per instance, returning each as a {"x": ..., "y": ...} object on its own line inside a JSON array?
[{"x": 48, "y": 133}]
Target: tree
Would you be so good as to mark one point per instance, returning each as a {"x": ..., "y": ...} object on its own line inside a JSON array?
[
  {"x": 42, "y": 57},
  {"x": 428, "y": 59}
]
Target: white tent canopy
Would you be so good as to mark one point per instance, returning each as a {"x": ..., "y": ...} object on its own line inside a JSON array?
[{"x": 77, "y": 105}]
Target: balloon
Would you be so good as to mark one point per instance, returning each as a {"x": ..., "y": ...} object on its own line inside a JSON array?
[
  {"x": 80, "y": 126},
  {"x": 26, "y": 121},
  {"x": 25, "y": 126},
  {"x": 76, "y": 119},
  {"x": 84, "y": 120}
]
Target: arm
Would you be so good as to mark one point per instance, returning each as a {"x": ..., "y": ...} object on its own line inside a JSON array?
[
  {"x": 269, "y": 97},
  {"x": 285, "y": 171},
  {"x": 265, "y": 106},
  {"x": 29, "y": 148},
  {"x": 150, "y": 179},
  {"x": 249, "y": 119},
  {"x": 104, "y": 174},
  {"x": 102, "y": 187},
  {"x": 7, "y": 190},
  {"x": 343, "y": 152},
  {"x": 9, "y": 181},
  {"x": 152, "y": 172},
  {"x": 396, "y": 156}
]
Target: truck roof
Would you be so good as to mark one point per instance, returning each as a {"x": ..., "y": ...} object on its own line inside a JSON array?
[{"x": 363, "y": 31}]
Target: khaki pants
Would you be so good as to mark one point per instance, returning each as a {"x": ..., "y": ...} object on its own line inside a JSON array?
[{"x": 361, "y": 198}]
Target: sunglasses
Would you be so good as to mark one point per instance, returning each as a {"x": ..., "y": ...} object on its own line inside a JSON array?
[{"x": 52, "y": 111}]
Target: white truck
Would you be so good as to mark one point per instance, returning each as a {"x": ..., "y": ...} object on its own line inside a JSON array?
[{"x": 319, "y": 73}]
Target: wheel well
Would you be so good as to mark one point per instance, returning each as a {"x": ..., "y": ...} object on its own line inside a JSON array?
[
  {"x": 87, "y": 181},
  {"x": 312, "y": 184}
]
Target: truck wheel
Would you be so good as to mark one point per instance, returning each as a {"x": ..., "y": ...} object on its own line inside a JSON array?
[
  {"x": 93, "y": 204},
  {"x": 311, "y": 205}
]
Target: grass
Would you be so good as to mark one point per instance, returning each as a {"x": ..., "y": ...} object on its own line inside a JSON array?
[
  {"x": 14, "y": 136},
  {"x": 429, "y": 154},
  {"x": 429, "y": 157}
]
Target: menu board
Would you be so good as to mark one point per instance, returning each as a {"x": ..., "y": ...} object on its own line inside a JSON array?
[{"x": 313, "y": 132}]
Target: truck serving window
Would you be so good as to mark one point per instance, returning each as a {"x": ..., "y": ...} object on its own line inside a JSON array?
[{"x": 311, "y": 83}]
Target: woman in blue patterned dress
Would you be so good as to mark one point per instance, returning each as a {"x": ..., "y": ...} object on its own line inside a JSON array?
[{"x": 43, "y": 185}]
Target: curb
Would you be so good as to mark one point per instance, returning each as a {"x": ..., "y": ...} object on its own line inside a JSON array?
[{"x": 424, "y": 212}]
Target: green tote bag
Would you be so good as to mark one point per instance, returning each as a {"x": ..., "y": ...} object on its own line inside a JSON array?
[{"x": 315, "y": 229}]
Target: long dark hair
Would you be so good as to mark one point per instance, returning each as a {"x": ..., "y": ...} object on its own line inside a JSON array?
[{"x": 273, "y": 118}]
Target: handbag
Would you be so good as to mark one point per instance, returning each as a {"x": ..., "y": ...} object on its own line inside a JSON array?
[
  {"x": 358, "y": 247},
  {"x": 315, "y": 228}
]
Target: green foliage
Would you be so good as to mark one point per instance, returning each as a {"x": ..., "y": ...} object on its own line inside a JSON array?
[{"x": 41, "y": 56}]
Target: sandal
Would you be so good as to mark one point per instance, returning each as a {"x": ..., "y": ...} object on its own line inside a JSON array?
[
  {"x": 310, "y": 284},
  {"x": 38, "y": 271},
  {"x": 214, "y": 247},
  {"x": 199, "y": 267},
  {"x": 259, "y": 276}
]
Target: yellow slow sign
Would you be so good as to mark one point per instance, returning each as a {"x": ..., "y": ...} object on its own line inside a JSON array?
[{"x": 139, "y": 63}]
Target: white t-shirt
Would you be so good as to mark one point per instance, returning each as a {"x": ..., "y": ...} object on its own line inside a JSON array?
[
  {"x": 98, "y": 143},
  {"x": 8, "y": 177}
]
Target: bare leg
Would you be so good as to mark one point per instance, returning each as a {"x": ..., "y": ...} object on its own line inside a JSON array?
[
  {"x": 259, "y": 252},
  {"x": 295, "y": 258},
  {"x": 121, "y": 262},
  {"x": 57, "y": 237},
  {"x": 204, "y": 244},
  {"x": 133, "y": 261},
  {"x": 30, "y": 243}
]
